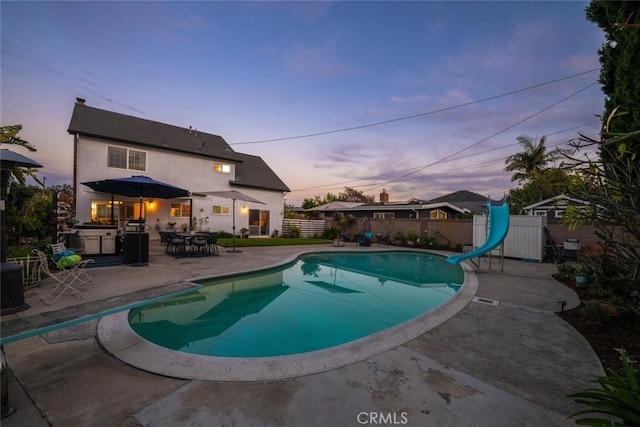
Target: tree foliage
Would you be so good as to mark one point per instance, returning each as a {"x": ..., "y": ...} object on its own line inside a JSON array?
[
  {"x": 349, "y": 195},
  {"x": 612, "y": 187},
  {"x": 9, "y": 135},
  {"x": 353, "y": 195},
  {"x": 620, "y": 62},
  {"x": 309, "y": 203},
  {"x": 539, "y": 181}
]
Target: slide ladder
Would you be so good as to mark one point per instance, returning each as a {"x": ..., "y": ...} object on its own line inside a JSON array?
[{"x": 498, "y": 228}]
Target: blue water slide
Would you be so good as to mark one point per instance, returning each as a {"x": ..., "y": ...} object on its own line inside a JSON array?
[{"x": 498, "y": 228}]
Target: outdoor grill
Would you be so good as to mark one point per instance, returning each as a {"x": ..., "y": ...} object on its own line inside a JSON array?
[{"x": 97, "y": 239}]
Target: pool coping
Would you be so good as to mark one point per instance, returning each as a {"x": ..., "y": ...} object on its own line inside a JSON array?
[{"x": 117, "y": 337}]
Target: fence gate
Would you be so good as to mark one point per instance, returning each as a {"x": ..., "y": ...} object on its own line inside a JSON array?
[{"x": 525, "y": 238}]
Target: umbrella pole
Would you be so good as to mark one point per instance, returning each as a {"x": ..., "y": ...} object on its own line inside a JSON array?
[
  {"x": 139, "y": 263},
  {"x": 234, "y": 229}
]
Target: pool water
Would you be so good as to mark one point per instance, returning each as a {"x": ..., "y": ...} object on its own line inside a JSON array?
[{"x": 319, "y": 301}]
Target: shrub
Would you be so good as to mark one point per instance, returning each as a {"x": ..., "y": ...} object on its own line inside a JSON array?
[
  {"x": 618, "y": 397},
  {"x": 291, "y": 231},
  {"x": 595, "y": 312},
  {"x": 566, "y": 269}
]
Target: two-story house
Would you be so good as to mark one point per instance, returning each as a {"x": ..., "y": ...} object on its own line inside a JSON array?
[{"x": 112, "y": 145}]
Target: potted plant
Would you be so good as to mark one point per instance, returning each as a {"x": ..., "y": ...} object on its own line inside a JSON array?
[
  {"x": 398, "y": 238},
  {"x": 566, "y": 270},
  {"x": 411, "y": 237},
  {"x": 582, "y": 272},
  {"x": 244, "y": 232}
]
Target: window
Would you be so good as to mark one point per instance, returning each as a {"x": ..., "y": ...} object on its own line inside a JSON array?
[
  {"x": 383, "y": 215},
  {"x": 222, "y": 168},
  {"x": 221, "y": 210},
  {"x": 123, "y": 158},
  {"x": 178, "y": 210},
  {"x": 437, "y": 214}
]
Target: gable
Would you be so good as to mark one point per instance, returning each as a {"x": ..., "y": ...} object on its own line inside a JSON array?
[
  {"x": 254, "y": 172},
  {"x": 251, "y": 171},
  {"x": 112, "y": 126}
]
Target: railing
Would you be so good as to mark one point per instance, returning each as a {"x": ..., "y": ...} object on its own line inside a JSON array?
[{"x": 30, "y": 270}]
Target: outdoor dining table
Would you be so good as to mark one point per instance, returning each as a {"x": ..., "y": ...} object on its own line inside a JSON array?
[{"x": 188, "y": 236}]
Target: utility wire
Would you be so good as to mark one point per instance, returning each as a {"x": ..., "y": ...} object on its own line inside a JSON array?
[
  {"x": 339, "y": 185},
  {"x": 491, "y": 98},
  {"x": 450, "y": 157},
  {"x": 490, "y": 136}
]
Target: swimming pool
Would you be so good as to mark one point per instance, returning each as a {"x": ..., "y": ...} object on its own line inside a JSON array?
[
  {"x": 321, "y": 311},
  {"x": 316, "y": 302}
]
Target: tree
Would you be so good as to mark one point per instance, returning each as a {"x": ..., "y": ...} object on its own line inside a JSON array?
[
  {"x": 317, "y": 201},
  {"x": 9, "y": 135},
  {"x": 552, "y": 182},
  {"x": 530, "y": 165},
  {"x": 620, "y": 63},
  {"x": 353, "y": 195},
  {"x": 613, "y": 190}
]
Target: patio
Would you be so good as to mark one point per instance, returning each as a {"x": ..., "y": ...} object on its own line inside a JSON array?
[{"x": 508, "y": 363}]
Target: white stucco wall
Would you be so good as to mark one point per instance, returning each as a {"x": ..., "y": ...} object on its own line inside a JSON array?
[{"x": 186, "y": 171}]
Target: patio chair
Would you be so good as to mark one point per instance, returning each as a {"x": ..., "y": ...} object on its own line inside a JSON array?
[
  {"x": 362, "y": 239},
  {"x": 176, "y": 245},
  {"x": 571, "y": 247},
  {"x": 199, "y": 246},
  {"x": 347, "y": 239},
  {"x": 212, "y": 244},
  {"x": 383, "y": 239},
  {"x": 65, "y": 279}
]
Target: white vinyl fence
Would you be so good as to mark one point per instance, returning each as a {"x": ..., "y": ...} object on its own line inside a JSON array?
[
  {"x": 525, "y": 238},
  {"x": 308, "y": 227}
]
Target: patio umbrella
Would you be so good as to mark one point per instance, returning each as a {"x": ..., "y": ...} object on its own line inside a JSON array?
[
  {"x": 234, "y": 195},
  {"x": 137, "y": 186}
]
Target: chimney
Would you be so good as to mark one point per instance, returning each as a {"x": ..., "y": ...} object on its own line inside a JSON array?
[
  {"x": 80, "y": 101},
  {"x": 384, "y": 196}
]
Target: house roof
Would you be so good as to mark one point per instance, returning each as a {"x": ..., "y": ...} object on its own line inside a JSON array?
[
  {"x": 553, "y": 201},
  {"x": 358, "y": 206},
  {"x": 407, "y": 206},
  {"x": 334, "y": 206},
  {"x": 254, "y": 172},
  {"x": 104, "y": 124},
  {"x": 251, "y": 171},
  {"x": 466, "y": 199}
]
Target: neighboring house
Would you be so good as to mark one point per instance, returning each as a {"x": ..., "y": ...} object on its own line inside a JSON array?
[
  {"x": 554, "y": 207},
  {"x": 413, "y": 210},
  {"x": 385, "y": 209},
  {"x": 113, "y": 145},
  {"x": 474, "y": 202}
]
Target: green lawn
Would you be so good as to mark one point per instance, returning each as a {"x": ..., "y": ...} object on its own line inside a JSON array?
[{"x": 245, "y": 243}]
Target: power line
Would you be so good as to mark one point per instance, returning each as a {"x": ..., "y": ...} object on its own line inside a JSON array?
[
  {"x": 339, "y": 185},
  {"x": 491, "y": 98},
  {"x": 489, "y": 137}
]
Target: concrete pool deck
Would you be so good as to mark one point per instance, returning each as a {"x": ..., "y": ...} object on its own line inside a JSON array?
[{"x": 504, "y": 359}]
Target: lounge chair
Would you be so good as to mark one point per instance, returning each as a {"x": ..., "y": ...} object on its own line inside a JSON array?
[
  {"x": 383, "y": 239},
  {"x": 362, "y": 239},
  {"x": 65, "y": 278},
  {"x": 347, "y": 239}
]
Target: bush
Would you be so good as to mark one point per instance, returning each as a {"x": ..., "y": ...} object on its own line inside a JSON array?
[
  {"x": 618, "y": 397},
  {"x": 291, "y": 231},
  {"x": 566, "y": 269},
  {"x": 595, "y": 312}
]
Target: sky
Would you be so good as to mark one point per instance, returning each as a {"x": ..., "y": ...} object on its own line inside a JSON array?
[{"x": 418, "y": 98}]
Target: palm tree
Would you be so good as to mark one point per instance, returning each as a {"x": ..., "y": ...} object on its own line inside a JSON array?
[
  {"x": 9, "y": 135},
  {"x": 529, "y": 164}
]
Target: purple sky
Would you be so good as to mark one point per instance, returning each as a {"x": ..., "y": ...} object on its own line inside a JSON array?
[{"x": 406, "y": 96}]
